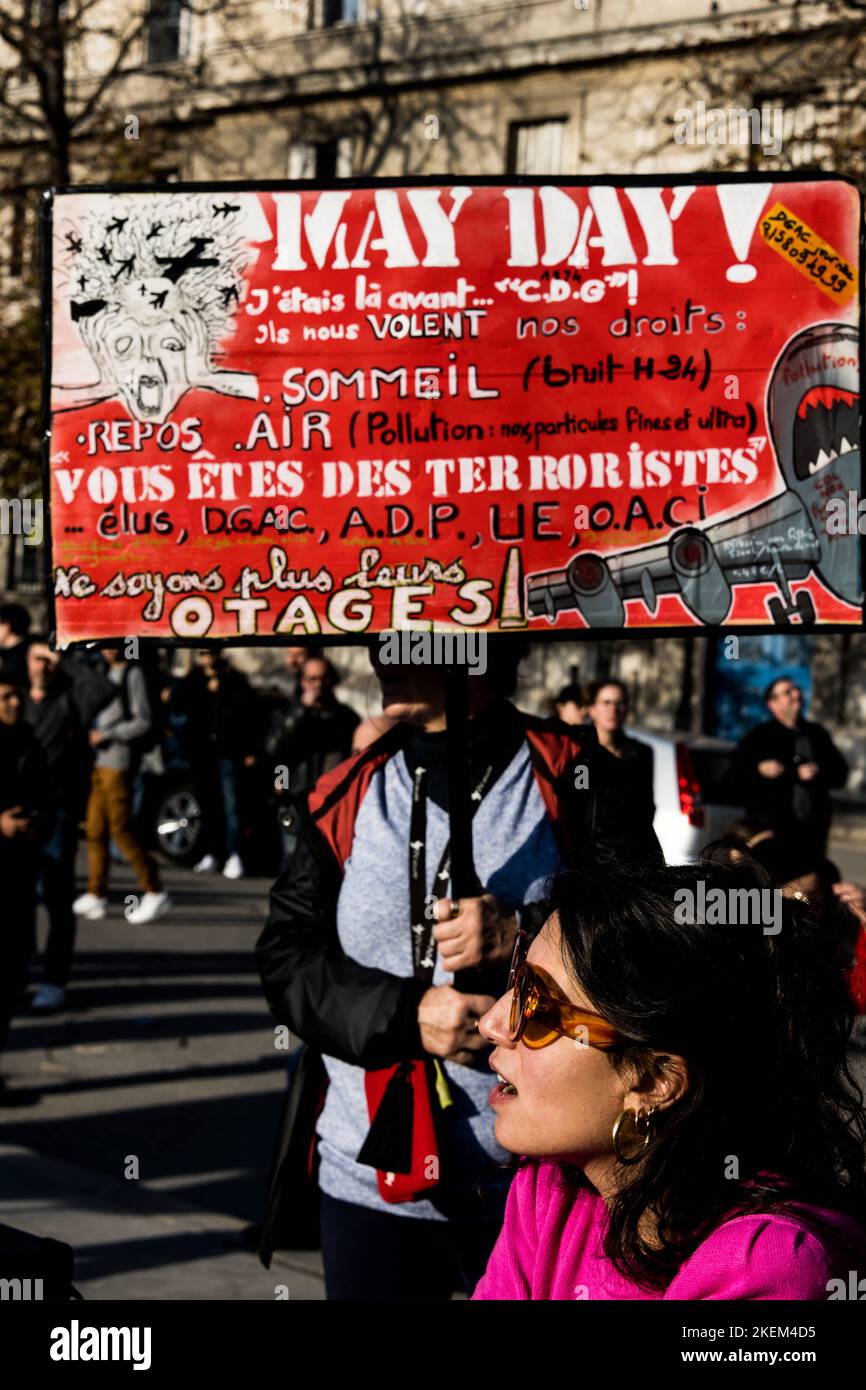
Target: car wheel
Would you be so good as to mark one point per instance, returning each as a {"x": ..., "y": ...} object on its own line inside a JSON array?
[{"x": 178, "y": 824}]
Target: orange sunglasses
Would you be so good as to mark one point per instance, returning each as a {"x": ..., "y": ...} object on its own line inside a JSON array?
[{"x": 538, "y": 1018}]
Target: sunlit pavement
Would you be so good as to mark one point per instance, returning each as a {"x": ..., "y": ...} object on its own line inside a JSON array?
[
  {"x": 165, "y": 1055},
  {"x": 163, "y": 1063}
]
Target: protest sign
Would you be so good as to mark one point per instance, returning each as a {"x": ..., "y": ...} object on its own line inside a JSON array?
[{"x": 290, "y": 410}]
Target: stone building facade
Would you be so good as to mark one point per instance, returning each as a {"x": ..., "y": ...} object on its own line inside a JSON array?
[{"x": 333, "y": 88}]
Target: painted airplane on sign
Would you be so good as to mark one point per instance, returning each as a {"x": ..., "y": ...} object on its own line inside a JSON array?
[{"x": 813, "y": 411}]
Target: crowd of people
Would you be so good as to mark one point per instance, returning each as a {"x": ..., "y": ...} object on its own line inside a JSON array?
[
  {"x": 81, "y": 737},
  {"x": 678, "y": 1097},
  {"x": 672, "y": 1114}
]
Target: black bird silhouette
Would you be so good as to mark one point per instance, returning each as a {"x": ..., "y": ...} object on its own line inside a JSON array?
[
  {"x": 124, "y": 266},
  {"x": 142, "y": 289},
  {"x": 155, "y": 230},
  {"x": 229, "y": 293},
  {"x": 82, "y": 281},
  {"x": 157, "y": 300},
  {"x": 73, "y": 242},
  {"x": 191, "y": 258},
  {"x": 223, "y": 209},
  {"x": 105, "y": 255},
  {"x": 117, "y": 225}
]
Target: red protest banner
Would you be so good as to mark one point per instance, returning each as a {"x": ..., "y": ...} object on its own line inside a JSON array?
[{"x": 285, "y": 410}]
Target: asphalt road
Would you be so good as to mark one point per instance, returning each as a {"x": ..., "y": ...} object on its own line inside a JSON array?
[
  {"x": 850, "y": 859},
  {"x": 164, "y": 1066}
]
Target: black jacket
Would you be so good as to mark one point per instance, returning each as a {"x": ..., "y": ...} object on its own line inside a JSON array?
[
  {"x": 624, "y": 788},
  {"x": 311, "y": 741},
  {"x": 805, "y": 820},
  {"x": 219, "y": 723},
  {"x": 13, "y": 664},
  {"x": 350, "y": 1011},
  {"x": 355, "y": 1012},
  {"x": 24, "y": 782},
  {"x": 23, "y": 773},
  {"x": 56, "y": 721}
]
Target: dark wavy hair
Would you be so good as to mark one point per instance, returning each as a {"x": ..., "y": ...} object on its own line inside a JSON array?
[{"x": 762, "y": 1022}]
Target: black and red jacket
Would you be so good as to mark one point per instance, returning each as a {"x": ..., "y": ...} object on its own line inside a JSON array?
[{"x": 355, "y": 1012}]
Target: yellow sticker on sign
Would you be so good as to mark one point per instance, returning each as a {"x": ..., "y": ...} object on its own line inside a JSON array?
[{"x": 815, "y": 258}]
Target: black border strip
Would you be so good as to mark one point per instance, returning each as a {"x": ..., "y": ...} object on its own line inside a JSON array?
[
  {"x": 699, "y": 178},
  {"x": 46, "y": 225}
]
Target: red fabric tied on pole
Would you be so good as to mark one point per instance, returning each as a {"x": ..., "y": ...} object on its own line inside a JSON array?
[{"x": 402, "y": 1143}]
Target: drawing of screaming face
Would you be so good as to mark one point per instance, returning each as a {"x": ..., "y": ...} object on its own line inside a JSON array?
[
  {"x": 813, "y": 405},
  {"x": 150, "y": 348}
]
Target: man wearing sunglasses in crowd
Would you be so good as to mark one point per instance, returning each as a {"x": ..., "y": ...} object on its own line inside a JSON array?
[{"x": 783, "y": 772}]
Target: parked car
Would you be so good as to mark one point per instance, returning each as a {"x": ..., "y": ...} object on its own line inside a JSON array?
[
  {"x": 692, "y": 807},
  {"x": 175, "y": 817}
]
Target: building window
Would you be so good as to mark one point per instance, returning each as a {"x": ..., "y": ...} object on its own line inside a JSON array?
[
  {"x": 167, "y": 30},
  {"x": 22, "y": 236},
  {"x": 40, "y": 13},
  {"x": 324, "y": 14},
  {"x": 26, "y": 565},
  {"x": 324, "y": 159},
  {"x": 808, "y": 131},
  {"x": 805, "y": 128},
  {"x": 536, "y": 147}
]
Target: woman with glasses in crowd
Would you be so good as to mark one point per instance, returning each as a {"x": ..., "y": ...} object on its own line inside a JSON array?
[{"x": 679, "y": 1093}]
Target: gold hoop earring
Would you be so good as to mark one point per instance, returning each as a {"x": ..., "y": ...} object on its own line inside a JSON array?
[{"x": 643, "y": 1128}]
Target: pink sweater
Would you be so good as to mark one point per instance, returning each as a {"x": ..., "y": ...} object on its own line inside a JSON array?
[{"x": 550, "y": 1248}]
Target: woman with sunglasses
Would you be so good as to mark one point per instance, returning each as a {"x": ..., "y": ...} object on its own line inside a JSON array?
[{"x": 679, "y": 1092}]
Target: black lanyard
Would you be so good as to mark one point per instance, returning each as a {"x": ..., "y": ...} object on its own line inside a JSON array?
[{"x": 423, "y": 942}]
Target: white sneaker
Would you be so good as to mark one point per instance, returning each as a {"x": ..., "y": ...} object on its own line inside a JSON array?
[
  {"x": 48, "y": 997},
  {"x": 233, "y": 868},
  {"x": 89, "y": 906},
  {"x": 206, "y": 865},
  {"x": 152, "y": 905}
]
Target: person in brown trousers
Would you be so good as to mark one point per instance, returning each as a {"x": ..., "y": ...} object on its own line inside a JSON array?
[{"x": 116, "y": 731}]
